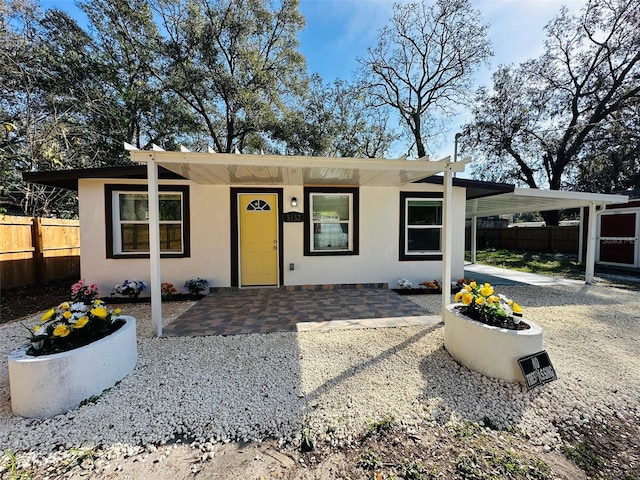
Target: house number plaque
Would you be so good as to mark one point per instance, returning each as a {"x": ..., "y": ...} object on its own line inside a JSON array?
[{"x": 293, "y": 217}]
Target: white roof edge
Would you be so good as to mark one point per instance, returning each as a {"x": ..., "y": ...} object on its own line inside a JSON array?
[
  {"x": 565, "y": 195},
  {"x": 296, "y": 161}
]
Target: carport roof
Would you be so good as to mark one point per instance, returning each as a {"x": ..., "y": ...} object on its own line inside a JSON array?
[
  {"x": 522, "y": 200},
  {"x": 486, "y": 199}
]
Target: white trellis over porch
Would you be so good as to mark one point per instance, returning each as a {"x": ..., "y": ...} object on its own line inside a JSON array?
[{"x": 241, "y": 169}]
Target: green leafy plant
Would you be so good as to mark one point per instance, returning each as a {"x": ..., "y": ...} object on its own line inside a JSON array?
[
  {"x": 11, "y": 465},
  {"x": 369, "y": 460},
  {"x": 413, "y": 470},
  {"x": 72, "y": 325},
  {"x": 382, "y": 425},
  {"x": 307, "y": 442},
  {"x": 197, "y": 285}
]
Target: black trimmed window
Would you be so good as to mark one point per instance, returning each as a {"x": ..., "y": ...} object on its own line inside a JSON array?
[
  {"x": 421, "y": 224},
  {"x": 127, "y": 221},
  {"x": 331, "y": 221}
]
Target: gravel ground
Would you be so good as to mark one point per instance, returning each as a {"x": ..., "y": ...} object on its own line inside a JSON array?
[{"x": 253, "y": 387}]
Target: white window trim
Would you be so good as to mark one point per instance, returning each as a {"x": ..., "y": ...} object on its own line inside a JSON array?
[
  {"x": 116, "y": 222},
  {"x": 420, "y": 227},
  {"x": 313, "y": 222}
]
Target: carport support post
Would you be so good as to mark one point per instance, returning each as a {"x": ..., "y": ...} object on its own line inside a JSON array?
[
  {"x": 474, "y": 232},
  {"x": 591, "y": 243},
  {"x": 154, "y": 245},
  {"x": 447, "y": 237}
]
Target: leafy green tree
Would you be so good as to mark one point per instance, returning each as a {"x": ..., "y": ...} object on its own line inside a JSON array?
[
  {"x": 423, "y": 64},
  {"x": 133, "y": 106},
  {"x": 540, "y": 120},
  {"x": 611, "y": 162},
  {"x": 234, "y": 62},
  {"x": 334, "y": 120},
  {"x": 35, "y": 126}
]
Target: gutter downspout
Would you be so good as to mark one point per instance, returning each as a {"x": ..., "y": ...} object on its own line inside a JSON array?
[{"x": 154, "y": 245}]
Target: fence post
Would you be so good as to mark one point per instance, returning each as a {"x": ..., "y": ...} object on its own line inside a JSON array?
[{"x": 38, "y": 249}]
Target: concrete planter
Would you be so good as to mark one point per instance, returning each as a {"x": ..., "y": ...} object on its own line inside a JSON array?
[
  {"x": 486, "y": 349},
  {"x": 49, "y": 385}
]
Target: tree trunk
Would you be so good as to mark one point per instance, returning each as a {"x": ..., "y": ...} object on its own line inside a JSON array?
[{"x": 551, "y": 218}]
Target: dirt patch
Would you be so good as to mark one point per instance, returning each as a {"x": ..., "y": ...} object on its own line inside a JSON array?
[
  {"x": 606, "y": 449},
  {"x": 385, "y": 451},
  {"x": 16, "y": 303}
]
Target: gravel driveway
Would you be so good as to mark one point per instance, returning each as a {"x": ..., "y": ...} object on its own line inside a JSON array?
[{"x": 251, "y": 387}]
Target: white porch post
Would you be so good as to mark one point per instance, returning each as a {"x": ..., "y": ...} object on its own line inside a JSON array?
[
  {"x": 591, "y": 244},
  {"x": 447, "y": 236},
  {"x": 154, "y": 245},
  {"x": 581, "y": 235}
]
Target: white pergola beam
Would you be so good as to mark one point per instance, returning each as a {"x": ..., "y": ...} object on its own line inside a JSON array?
[{"x": 199, "y": 158}]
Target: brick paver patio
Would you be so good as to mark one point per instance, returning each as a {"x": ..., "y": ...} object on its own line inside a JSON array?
[{"x": 269, "y": 310}]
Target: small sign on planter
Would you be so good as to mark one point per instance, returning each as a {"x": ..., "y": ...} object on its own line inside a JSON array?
[{"x": 537, "y": 369}]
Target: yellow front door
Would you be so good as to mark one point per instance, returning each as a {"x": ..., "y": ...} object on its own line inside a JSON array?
[{"x": 258, "y": 239}]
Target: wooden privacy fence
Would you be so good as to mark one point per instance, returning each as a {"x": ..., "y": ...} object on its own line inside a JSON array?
[
  {"x": 534, "y": 239},
  {"x": 36, "y": 250}
]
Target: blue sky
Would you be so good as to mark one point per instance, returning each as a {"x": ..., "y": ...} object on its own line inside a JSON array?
[{"x": 339, "y": 31}]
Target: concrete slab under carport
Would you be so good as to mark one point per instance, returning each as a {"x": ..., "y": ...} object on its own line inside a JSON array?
[{"x": 503, "y": 276}]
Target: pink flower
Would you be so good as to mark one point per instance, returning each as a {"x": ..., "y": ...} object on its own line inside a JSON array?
[{"x": 87, "y": 292}]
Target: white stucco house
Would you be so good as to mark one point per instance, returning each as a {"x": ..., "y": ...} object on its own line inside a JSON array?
[
  {"x": 259, "y": 220},
  {"x": 251, "y": 221}
]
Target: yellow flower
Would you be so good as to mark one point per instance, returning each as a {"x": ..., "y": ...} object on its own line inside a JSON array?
[
  {"x": 486, "y": 290},
  {"x": 99, "y": 312},
  {"x": 82, "y": 321},
  {"x": 65, "y": 306},
  {"x": 36, "y": 328},
  {"x": 479, "y": 300},
  {"x": 61, "y": 331},
  {"x": 458, "y": 296},
  {"x": 491, "y": 299},
  {"x": 468, "y": 288},
  {"x": 473, "y": 284},
  {"x": 48, "y": 314},
  {"x": 117, "y": 311},
  {"x": 509, "y": 302},
  {"x": 467, "y": 298},
  {"x": 97, "y": 302},
  {"x": 516, "y": 308},
  {"x": 67, "y": 314}
]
